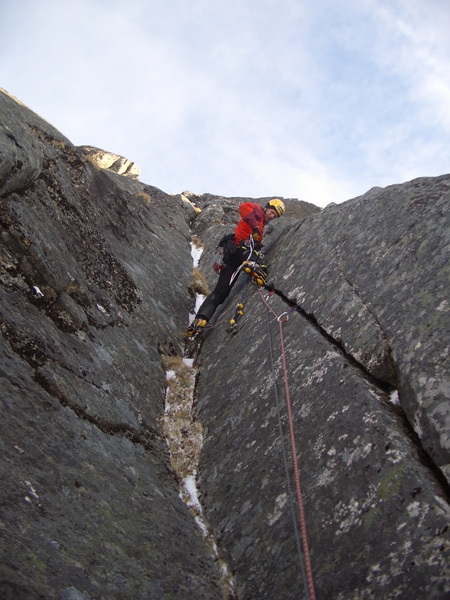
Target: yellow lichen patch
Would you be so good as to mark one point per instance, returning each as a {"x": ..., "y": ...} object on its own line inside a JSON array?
[
  {"x": 185, "y": 439},
  {"x": 146, "y": 197},
  {"x": 196, "y": 241},
  {"x": 183, "y": 433},
  {"x": 199, "y": 284}
]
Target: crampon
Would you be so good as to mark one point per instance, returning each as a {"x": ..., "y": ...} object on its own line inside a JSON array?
[
  {"x": 195, "y": 328},
  {"x": 238, "y": 312}
]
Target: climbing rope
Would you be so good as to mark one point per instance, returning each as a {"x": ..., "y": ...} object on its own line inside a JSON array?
[
  {"x": 282, "y": 319},
  {"x": 285, "y": 461}
]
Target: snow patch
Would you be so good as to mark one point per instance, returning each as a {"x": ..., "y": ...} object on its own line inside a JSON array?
[
  {"x": 414, "y": 509},
  {"x": 393, "y": 397},
  {"x": 196, "y": 252},
  {"x": 191, "y": 489},
  {"x": 199, "y": 298}
]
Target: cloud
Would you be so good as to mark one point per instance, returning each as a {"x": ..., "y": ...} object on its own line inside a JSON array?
[
  {"x": 319, "y": 101},
  {"x": 414, "y": 46}
]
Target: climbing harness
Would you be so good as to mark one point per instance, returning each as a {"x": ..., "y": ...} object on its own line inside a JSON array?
[
  {"x": 251, "y": 247},
  {"x": 254, "y": 268},
  {"x": 306, "y": 558}
]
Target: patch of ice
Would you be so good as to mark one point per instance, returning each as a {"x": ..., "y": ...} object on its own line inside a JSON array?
[{"x": 184, "y": 454}]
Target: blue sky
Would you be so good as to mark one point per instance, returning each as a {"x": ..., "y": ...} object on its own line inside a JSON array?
[{"x": 314, "y": 100}]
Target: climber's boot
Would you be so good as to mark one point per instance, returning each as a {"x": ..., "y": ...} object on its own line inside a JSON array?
[{"x": 195, "y": 328}]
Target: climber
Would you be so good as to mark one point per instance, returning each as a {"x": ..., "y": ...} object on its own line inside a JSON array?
[{"x": 240, "y": 249}]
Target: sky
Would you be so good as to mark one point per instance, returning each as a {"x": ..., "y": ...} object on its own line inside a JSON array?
[{"x": 317, "y": 100}]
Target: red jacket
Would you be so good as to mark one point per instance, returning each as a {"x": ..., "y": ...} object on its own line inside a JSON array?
[{"x": 252, "y": 215}]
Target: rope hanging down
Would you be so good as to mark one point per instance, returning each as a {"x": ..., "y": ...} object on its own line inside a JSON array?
[
  {"x": 285, "y": 460},
  {"x": 282, "y": 319}
]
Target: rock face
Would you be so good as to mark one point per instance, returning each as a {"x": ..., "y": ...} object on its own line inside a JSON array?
[
  {"x": 112, "y": 162},
  {"x": 348, "y": 360},
  {"x": 367, "y": 284},
  {"x": 89, "y": 502}
]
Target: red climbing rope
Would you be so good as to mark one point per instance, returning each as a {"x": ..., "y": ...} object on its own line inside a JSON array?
[{"x": 309, "y": 576}]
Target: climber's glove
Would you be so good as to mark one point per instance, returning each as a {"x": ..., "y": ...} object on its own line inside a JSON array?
[
  {"x": 256, "y": 234},
  {"x": 229, "y": 248},
  {"x": 218, "y": 266}
]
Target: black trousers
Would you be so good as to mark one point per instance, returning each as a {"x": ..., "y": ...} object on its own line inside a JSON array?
[{"x": 224, "y": 284}]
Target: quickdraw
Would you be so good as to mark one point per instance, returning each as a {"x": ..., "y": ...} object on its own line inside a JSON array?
[{"x": 239, "y": 308}]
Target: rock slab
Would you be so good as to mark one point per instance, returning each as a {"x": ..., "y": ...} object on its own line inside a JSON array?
[
  {"x": 90, "y": 506},
  {"x": 362, "y": 300}
]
